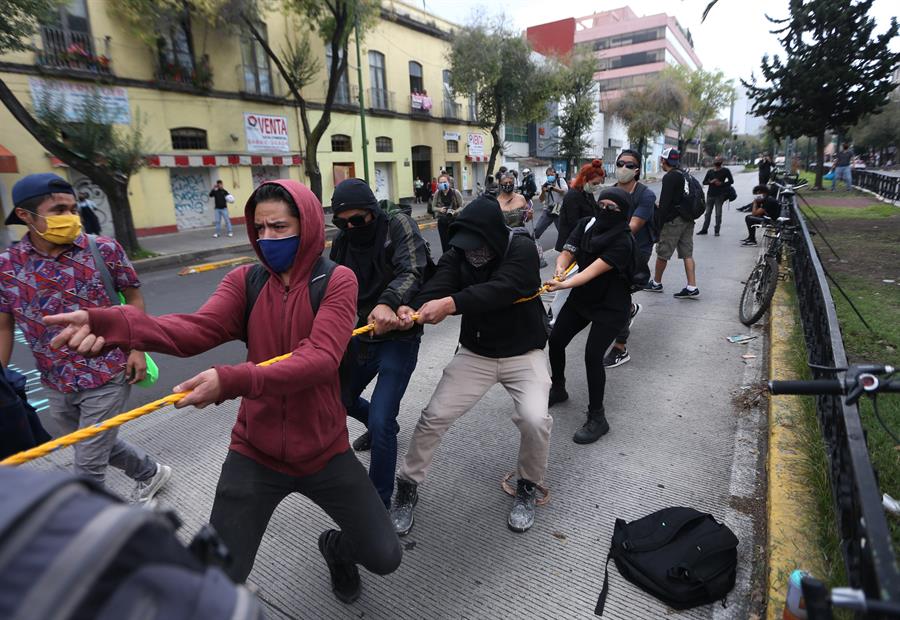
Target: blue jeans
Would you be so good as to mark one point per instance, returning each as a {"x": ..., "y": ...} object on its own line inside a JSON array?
[
  {"x": 393, "y": 361},
  {"x": 222, "y": 215},
  {"x": 842, "y": 173}
]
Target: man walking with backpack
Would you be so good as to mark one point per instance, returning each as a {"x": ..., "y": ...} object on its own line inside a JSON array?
[
  {"x": 389, "y": 257},
  {"x": 677, "y": 210}
]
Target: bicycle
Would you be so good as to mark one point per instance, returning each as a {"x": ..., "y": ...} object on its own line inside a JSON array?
[
  {"x": 759, "y": 287},
  {"x": 859, "y": 380}
]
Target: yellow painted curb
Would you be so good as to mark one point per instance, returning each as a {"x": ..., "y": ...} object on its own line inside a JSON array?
[
  {"x": 230, "y": 262},
  {"x": 791, "y": 504}
]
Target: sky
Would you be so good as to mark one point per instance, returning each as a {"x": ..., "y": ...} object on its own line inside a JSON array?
[{"x": 733, "y": 38}]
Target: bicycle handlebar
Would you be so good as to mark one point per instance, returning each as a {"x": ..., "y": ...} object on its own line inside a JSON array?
[
  {"x": 859, "y": 379},
  {"x": 822, "y": 386}
]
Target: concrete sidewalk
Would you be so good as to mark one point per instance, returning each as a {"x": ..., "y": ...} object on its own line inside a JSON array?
[{"x": 677, "y": 439}]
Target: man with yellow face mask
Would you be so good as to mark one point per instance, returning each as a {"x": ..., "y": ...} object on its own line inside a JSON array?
[{"x": 52, "y": 270}]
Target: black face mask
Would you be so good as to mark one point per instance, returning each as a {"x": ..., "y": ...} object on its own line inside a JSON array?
[
  {"x": 507, "y": 188},
  {"x": 362, "y": 235}
]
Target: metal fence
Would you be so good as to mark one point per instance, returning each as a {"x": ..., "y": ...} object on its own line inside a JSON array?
[
  {"x": 884, "y": 185},
  {"x": 863, "y": 529}
]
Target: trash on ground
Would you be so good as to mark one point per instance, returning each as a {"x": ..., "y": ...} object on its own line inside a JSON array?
[
  {"x": 748, "y": 356},
  {"x": 741, "y": 338},
  {"x": 559, "y": 536}
]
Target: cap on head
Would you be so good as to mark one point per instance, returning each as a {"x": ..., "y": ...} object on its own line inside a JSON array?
[
  {"x": 671, "y": 155},
  {"x": 352, "y": 194},
  {"x": 35, "y": 185}
]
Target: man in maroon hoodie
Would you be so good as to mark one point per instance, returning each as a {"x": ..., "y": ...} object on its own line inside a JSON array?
[{"x": 291, "y": 430}]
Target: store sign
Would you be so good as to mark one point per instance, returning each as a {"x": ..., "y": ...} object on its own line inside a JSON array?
[
  {"x": 476, "y": 144},
  {"x": 72, "y": 99},
  {"x": 266, "y": 134},
  {"x": 451, "y": 135}
]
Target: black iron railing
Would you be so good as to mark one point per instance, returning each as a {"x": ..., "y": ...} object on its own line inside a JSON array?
[
  {"x": 865, "y": 537},
  {"x": 70, "y": 50},
  {"x": 885, "y": 185}
]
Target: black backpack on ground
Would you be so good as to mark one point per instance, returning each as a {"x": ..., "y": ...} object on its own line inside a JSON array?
[
  {"x": 257, "y": 276},
  {"x": 70, "y": 550},
  {"x": 693, "y": 202},
  {"x": 681, "y": 556}
]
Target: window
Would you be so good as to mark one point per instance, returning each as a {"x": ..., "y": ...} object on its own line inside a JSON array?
[
  {"x": 453, "y": 146},
  {"x": 383, "y": 144},
  {"x": 185, "y": 138},
  {"x": 341, "y": 143},
  {"x": 342, "y": 95},
  {"x": 632, "y": 60},
  {"x": 416, "y": 84},
  {"x": 516, "y": 133},
  {"x": 175, "y": 53},
  {"x": 630, "y": 38},
  {"x": 67, "y": 41},
  {"x": 378, "y": 95},
  {"x": 448, "y": 92},
  {"x": 257, "y": 76}
]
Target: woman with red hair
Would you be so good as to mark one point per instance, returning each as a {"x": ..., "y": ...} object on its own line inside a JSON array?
[{"x": 580, "y": 200}]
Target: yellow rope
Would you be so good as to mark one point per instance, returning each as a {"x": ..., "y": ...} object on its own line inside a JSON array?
[{"x": 116, "y": 421}]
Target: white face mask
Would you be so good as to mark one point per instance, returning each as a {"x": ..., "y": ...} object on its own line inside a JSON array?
[
  {"x": 624, "y": 175},
  {"x": 596, "y": 189},
  {"x": 759, "y": 197}
]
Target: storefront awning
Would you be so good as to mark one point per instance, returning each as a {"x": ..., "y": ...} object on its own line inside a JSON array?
[
  {"x": 477, "y": 158},
  {"x": 8, "y": 162},
  {"x": 200, "y": 161}
]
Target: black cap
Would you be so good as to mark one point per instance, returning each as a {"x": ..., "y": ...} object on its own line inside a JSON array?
[
  {"x": 35, "y": 185},
  {"x": 352, "y": 194}
]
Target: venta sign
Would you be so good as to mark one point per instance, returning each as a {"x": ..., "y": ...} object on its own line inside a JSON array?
[{"x": 266, "y": 134}]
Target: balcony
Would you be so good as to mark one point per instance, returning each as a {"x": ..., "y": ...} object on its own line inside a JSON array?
[
  {"x": 198, "y": 77},
  {"x": 381, "y": 99},
  {"x": 420, "y": 104},
  {"x": 452, "y": 110},
  {"x": 69, "y": 50}
]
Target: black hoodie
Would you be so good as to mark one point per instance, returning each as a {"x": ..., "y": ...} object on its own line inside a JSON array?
[{"x": 492, "y": 324}]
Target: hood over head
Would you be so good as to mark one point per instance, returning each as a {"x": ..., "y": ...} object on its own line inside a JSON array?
[
  {"x": 312, "y": 227},
  {"x": 353, "y": 194},
  {"x": 481, "y": 220}
]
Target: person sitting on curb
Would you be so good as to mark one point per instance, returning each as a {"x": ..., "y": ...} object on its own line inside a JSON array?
[
  {"x": 482, "y": 275},
  {"x": 291, "y": 430}
]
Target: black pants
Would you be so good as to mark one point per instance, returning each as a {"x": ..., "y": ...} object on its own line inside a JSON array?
[
  {"x": 444, "y": 231},
  {"x": 248, "y": 493},
  {"x": 752, "y": 220},
  {"x": 568, "y": 324}
]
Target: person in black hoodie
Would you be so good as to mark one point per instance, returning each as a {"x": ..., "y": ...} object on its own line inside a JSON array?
[
  {"x": 480, "y": 277},
  {"x": 388, "y": 256},
  {"x": 602, "y": 247}
]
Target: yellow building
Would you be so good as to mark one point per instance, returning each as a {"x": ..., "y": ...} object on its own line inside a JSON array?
[{"x": 212, "y": 107}]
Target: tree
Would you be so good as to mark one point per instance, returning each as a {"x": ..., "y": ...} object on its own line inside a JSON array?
[
  {"x": 646, "y": 111},
  {"x": 92, "y": 146},
  {"x": 495, "y": 67},
  {"x": 578, "y": 105},
  {"x": 833, "y": 72},
  {"x": 715, "y": 140},
  {"x": 706, "y": 92},
  {"x": 879, "y": 131}
]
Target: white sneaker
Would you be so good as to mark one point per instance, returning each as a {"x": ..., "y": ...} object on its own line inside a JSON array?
[
  {"x": 215, "y": 235},
  {"x": 231, "y": 234},
  {"x": 146, "y": 489}
]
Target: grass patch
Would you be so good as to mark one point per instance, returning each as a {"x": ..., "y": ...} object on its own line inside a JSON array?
[
  {"x": 141, "y": 253},
  {"x": 812, "y": 447},
  {"x": 874, "y": 211}
]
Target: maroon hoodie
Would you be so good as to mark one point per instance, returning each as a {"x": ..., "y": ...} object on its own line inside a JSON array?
[{"x": 291, "y": 418}]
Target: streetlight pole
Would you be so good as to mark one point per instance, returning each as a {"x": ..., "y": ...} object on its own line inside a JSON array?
[{"x": 362, "y": 106}]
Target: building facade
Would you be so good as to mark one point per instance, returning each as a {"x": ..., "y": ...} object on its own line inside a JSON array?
[
  {"x": 212, "y": 106},
  {"x": 630, "y": 50}
]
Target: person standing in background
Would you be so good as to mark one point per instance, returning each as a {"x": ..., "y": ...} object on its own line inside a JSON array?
[
  {"x": 765, "y": 169},
  {"x": 221, "y": 198},
  {"x": 718, "y": 178}
]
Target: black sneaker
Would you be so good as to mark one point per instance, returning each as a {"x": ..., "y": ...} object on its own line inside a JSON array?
[
  {"x": 687, "y": 294},
  {"x": 635, "y": 310},
  {"x": 404, "y": 502},
  {"x": 717, "y": 233},
  {"x": 558, "y": 394},
  {"x": 616, "y": 357},
  {"x": 521, "y": 516},
  {"x": 344, "y": 575},
  {"x": 653, "y": 287},
  {"x": 363, "y": 443},
  {"x": 703, "y": 232},
  {"x": 748, "y": 242}
]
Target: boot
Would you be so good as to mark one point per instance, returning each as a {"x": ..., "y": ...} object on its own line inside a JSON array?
[
  {"x": 363, "y": 443},
  {"x": 344, "y": 575},
  {"x": 404, "y": 502},
  {"x": 558, "y": 394},
  {"x": 595, "y": 428}
]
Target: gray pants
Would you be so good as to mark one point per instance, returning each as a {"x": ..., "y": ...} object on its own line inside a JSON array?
[
  {"x": 711, "y": 203},
  {"x": 465, "y": 380},
  {"x": 75, "y": 410}
]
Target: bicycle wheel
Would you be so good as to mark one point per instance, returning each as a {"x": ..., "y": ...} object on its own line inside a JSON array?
[{"x": 758, "y": 291}]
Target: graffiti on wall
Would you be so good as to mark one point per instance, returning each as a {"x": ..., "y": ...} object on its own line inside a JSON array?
[
  {"x": 83, "y": 184},
  {"x": 190, "y": 193}
]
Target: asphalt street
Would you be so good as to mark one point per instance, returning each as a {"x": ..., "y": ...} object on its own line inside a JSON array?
[{"x": 677, "y": 439}]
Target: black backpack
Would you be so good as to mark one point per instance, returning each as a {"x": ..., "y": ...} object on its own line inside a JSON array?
[
  {"x": 71, "y": 551},
  {"x": 681, "y": 556},
  {"x": 639, "y": 270},
  {"x": 257, "y": 276},
  {"x": 693, "y": 202}
]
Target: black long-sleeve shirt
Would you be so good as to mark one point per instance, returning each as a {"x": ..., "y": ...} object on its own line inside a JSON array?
[
  {"x": 576, "y": 205},
  {"x": 671, "y": 194},
  {"x": 723, "y": 175}
]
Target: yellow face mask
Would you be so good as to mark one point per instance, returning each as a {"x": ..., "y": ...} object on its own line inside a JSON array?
[{"x": 61, "y": 229}]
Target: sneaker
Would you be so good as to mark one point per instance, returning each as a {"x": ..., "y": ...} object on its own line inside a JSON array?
[
  {"x": 703, "y": 232},
  {"x": 558, "y": 394},
  {"x": 404, "y": 502},
  {"x": 653, "y": 287},
  {"x": 215, "y": 235},
  {"x": 344, "y": 575},
  {"x": 363, "y": 443},
  {"x": 717, "y": 233},
  {"x": 616, "y": 357},
  {"x": 144, "y": 490},
  {"x": 521, "y": 516},
  {"x": 747, "y": 242},
  {"x": 687, "y": 294},
  {"x": 543, "y": 263},
  {"x": 592, "y": 430},
  {"x": 231, "y": 234},
  {"x": 635, "y": 310}
]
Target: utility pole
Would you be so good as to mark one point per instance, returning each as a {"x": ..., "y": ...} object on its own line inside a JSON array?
[{"x": 362, "y": 106}]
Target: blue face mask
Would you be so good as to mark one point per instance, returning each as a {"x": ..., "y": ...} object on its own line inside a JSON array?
[
  {"x": 551, "y": 178},
  {"x": 279, "y": 253},
  {"x": 443, "y": 186}
]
